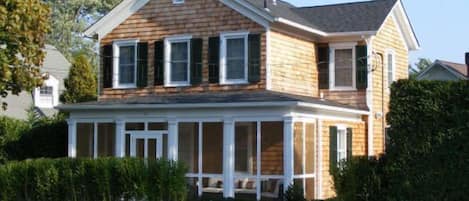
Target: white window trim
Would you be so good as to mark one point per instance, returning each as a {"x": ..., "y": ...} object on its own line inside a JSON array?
[
  {"x": 390, "y": 52},
  {"x": 167, "y": 57},
  {"x": 178, "y": 1},
  {"x": 344, "y": 129},
  {"x": 116, "y": 54},
  {"x": 333, "y": 48},
  {"x": 233, "y": 35}
]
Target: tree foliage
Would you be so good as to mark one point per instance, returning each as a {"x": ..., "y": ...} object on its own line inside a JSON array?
[
  {"x": 81, "y": 82},
  {"x": 23, "y": 28},
  {"x": 69, "y": 20}
]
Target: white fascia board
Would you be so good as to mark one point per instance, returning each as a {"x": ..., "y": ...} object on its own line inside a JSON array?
[
  {"x": 354, "y": 33},
  {"x": 249, "y": 11},
  {"x": 300, "y": 26},
  {"x": 333, "y": 108},
  {"x": 115, "y": 17}
]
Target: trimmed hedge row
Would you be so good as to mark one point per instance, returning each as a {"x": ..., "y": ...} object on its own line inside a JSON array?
[{"x": 104, "y": 179}]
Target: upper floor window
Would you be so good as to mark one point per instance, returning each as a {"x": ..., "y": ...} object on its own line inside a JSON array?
[
  {"x": 342, "y": 66},
  {"x": 234, "y": 58},
  {"x": 178, "y": 1},
  {"x": 177, "y": 55},
  {"x": 390, "y": 60},
  {"x": 125, "y": 57},
  {"x": 46, "y": 91}
]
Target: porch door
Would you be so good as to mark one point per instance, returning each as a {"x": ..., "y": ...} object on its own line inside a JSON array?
[{"x": 146, "y": 145}]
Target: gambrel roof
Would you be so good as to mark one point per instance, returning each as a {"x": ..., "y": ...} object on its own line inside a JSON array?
[{"x": 359, "y": 18}]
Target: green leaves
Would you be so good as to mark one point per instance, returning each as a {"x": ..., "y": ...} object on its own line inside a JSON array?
[
  {"x": 81, "y": 82},
  {"x": 104, "y": 179},
  {"x": 23, "y": 28}
]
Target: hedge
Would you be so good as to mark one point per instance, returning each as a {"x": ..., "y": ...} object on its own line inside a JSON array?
[
  {"x": 427, "y": 157},
  {"x": 104, "y": 179},
  {"x": 10, "y": 131}
]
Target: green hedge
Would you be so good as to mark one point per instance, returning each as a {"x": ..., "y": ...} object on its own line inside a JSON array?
[
  {"x": 105, "y": 179},
  {"x": 427, "y": 156},
  {"x": 10, "y": 131}
]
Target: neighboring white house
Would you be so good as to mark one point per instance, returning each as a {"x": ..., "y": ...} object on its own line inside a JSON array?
[
  {"x": 44, "y": 98},
  {"x": 445, "y": 70}
]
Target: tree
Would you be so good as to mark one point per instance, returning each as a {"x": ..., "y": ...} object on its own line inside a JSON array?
[
  {"x": 69, "y": 20},
  {"x": 81, "y": 82},
  {"x": 23, "y": 28},
  {"x": 422, "y": 64}
]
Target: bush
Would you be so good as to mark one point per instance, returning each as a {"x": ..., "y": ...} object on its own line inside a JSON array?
[
  {"x": 10, "y": 131},
  {"x": 105, "y": 179},
  {"x": 294, "y": 193},
  {"x": 427, "y": 157},
  {"x": 46, "y": 138}
]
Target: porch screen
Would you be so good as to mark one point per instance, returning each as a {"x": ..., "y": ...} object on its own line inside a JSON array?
[
  {"x": 272, "y": 148},
  {"x": 188, "y": 145},
  {"x": 245, "y": 148},
  {"x": 106, "y": 139},
  {"x": 85, "y": 140},
  {"x": 212, "y": 148}
]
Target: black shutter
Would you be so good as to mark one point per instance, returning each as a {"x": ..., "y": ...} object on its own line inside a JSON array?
[
  {"x": 362, "y": 67},
  {"x": 214, "y": 59},
  {"x": 254, "y": 60},
  {"x": 159, "y": 63},
  {"x": 349, "y": 143},
  {"x": 323, "y": 67},
  {"x": 107, "y": 56},
  {"x": 196, "y": 61},
  {"x": 142, "y": 64},
  {"x": 333, "y": 147}
]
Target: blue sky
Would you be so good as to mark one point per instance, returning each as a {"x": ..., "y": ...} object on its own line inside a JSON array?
[{"x": 442, "y": 26}]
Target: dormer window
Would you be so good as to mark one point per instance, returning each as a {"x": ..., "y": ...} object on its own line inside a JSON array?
[
  {"x": 178, "y": 1},
  {"x": 46, "y": 91},
  {"x": 47, "y": 96}
]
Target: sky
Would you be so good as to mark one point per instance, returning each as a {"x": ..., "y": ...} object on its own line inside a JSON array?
[{"x": 442, "y": 26}]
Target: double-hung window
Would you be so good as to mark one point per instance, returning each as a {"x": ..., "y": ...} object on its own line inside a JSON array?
[
  {"x": 342, "y": 66},
  {"x": 46, "y": 91},
  {"x": 125, "y": 64},
  {"x": 341, "y": 144},
  {"x": 234, "y": 58},
  {"x": 177, "y": 64},
  {"x": 390, "y": 60}
]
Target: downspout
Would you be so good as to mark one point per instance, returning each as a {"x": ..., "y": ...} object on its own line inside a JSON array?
[{"x": 369, "y": 93}]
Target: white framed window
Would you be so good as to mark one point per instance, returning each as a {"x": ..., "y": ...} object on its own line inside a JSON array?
[
  {"x": 341, "y": 143},
  {"x": 46, "y": 90},
  {"x": 178, "y": 1},
  {"x": 234, "y": 58},
  {"x": 177, "y": 61},
  {"x": 125, "y": 64},
  {"x": 390, "y": 68},
  {"x": 342, "y": 66},
  {"x": 47, "y": 96}
]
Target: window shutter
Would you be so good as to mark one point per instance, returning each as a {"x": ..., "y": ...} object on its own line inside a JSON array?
[
  {"x": 333, "y": 147},
  {"x": 349, "y": 143},
  {"x": 196, "y": 61},
  {"x": 107, "y": 56},
  {"x": 214, "y": 59},
  {"x": 159, "y": 63},
  {"x": 323, "y": 67},
  {"x": 142, "y": 64},
  {"x": 362, "y": 66},
  {"x": 254, "y": 59}
]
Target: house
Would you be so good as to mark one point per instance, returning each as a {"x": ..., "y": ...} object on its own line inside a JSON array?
[
  {"x": 445, "y": 70},
  {"x": 252, "y": 95},
  {"x": 42, "y": 99}
]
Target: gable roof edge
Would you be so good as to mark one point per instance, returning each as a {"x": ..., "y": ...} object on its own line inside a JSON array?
[{"x": 438, "y": 63}]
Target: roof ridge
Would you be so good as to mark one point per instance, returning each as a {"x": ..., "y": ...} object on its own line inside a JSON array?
[
  {"x": 452, "y": 62},
  {"x": 345, "y": 3}
]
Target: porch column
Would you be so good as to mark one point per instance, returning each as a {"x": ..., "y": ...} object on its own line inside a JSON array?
[
  {"x": 173, "y": 139},
  {"x": 228, "y": 158},
  {"x": 72, "y": 138},
  {"x": 120, "y": 138},
  {"x": 288, "y": 157}
]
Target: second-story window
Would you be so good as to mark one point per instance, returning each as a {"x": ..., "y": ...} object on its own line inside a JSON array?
[
  {"x": 342, "y": 66},
  {"x": 177, "y": 61},
  {"x": 390, "y": 68},
  {"x": 125, "y": 65},
  {"x": 234, "y": 58}
]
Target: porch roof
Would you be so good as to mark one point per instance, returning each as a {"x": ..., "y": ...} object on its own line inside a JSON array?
[{"x": 217, "y": 99}]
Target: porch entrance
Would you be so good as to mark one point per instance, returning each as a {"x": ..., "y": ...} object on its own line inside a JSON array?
[{"x": 147, "y": 145}]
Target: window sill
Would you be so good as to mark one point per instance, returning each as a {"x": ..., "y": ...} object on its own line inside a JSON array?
[
  {"x": 177, "y": 85},
  {"x": 125, "y": 87},
  {"x": 234, "y": 82},
  {"x": 343, "y": 89}
]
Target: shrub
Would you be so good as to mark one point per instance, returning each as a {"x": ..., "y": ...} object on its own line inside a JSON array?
[
  {"x": 81, "y": 82},
  {"x": 105, "y": 179},
  {"x": 294, "y": 193},
  {"x": 10, "y": 131}
]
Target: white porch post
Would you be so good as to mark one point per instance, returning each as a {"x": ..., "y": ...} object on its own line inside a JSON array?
[
  {"x": 228, "y": 158},
  {"x": 120, "y": 138},
  {"x": 72, "y": 138},
  {"x": 288, "y": 158},
  {"x": 173, "y": 139}
]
